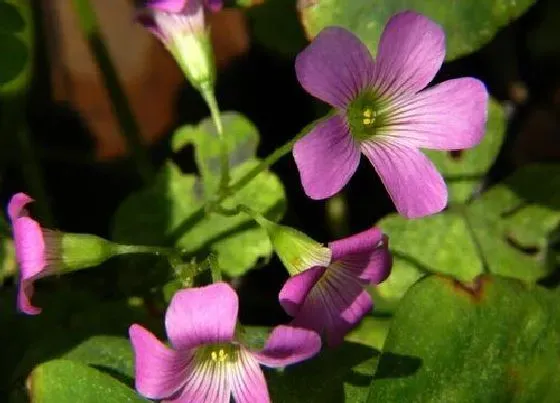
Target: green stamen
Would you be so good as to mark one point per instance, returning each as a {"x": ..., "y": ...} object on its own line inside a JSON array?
[{"x": 366, "y": 115}]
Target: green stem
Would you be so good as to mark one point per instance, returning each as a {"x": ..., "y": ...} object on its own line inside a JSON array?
[
  {"x": 207, "y": 93},
  {"x": 271, "y": 159},
  {"x": 127, "y": 122},
  {"x": 215, "y": 269},
  {"x": 156, "y": 250}
]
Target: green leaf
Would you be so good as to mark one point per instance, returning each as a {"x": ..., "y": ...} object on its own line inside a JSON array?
[
  {"x": 464, "y": 170},
  {"x": 514, "y": 222},
  {"x": 509, "y": 230},
  {"x": 448, "y": 249},
  {"x": 371, "y": 331},
  {"x": 110, "y": 354},
  {"x": 242, "y": 139},
  {"x": 169, "y": 212},
  {"x": 468, "y": 24},
  {"x": 336, "y": 375},
  {"x": 439, "y": 243},
  {"x": 16, "y": 37},
  {"x": 61, "y": 381},
  {"x": 494, "y": 341},
  {"x": 71, "y": 315}
]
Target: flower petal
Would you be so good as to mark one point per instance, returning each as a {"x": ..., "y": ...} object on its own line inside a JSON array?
[
  {"x": 287, "y": 345},
  {"x": 169, "y": 6},
  {"x": 334, "y": 305},
  {"x": 159, "y": 371},
  {"x": 326, "y": 158},
  {"x": 214, "y": 5},
  {"x": 359, "y": 243},
  {"x": 24, "y": 295},
  {"x": 449, "y": 116},
  {"x": 247, "y": 380},
  {"x": 148, "y": 20},
  {"x": 410, "y": 52},
  {"x": 364, "y": 255},
  {"x": 16, "y": 206},
  {"x": 208, "y": 382},
  {"x": 30, "y": 255},
  {"x": 201, "y": 316},
  {"x": 296, "y": 288},
  {"x": 29, "y": 246},
  {"x": 414, "y": 184},
  {"x": 335, "y": 67}
]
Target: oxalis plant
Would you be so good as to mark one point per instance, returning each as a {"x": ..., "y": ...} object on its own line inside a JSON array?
[{"x": 438, "y": 302}]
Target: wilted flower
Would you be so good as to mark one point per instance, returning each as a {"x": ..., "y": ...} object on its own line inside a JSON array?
[
  {"x": 41, "y": 252},
  {"x": 382, "y": 112},
  {"x": 179, "y": 24},
  {"x": 206, "y": 363},
  {"x": 332, "y": 300}
]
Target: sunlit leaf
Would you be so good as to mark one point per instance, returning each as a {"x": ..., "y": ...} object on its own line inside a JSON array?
[
  {"x": 509, "y": 230},
  {"x": 468, "y": 24},
  {"x": 61, "y": 381},
  {"x": 16, "y": 37},
  {"x": 170, "y": 211},
  {"x": 494, "y": 340}
]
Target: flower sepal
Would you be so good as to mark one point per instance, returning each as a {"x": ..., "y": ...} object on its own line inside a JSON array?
[
  {"x": 194, "y": 55},
  {"x": 182, "y": 30},
  {"x": 79, "y": 251},
  {"x": 296, "y": 250}
]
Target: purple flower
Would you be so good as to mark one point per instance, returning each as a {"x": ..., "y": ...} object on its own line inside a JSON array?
[
  {"x": 382, "y": 112},
  {"x": 168, "y": 19},
  {"x": 205, "y": 363},
  {"x": 37, "y": 250},
  {"x": 332, "y": 300}
]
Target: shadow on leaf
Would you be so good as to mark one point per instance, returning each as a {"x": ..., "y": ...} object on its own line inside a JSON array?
[
  {"x": 393, "y": 365},
  {"x": 340, "y": 374}
]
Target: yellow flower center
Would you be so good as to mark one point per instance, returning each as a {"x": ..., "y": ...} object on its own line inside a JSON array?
[
  {"x": 368, "y": 117},
  {"x": 219, "y": 356}
]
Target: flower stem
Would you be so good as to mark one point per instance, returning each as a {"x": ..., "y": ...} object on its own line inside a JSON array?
[
  {"x": 127, "y": 122},
  {"x": 271, "y": 159},
  {"x": 156, "y": 250},
  {"x": 214, "y": 269},
  {"x": 207, "y": 93}
]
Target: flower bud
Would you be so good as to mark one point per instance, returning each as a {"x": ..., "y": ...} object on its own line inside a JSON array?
[
  {"x": 296, "y": 250},
  {"x": 41, "y": 252},
  {"x": 182, "y": 30}
]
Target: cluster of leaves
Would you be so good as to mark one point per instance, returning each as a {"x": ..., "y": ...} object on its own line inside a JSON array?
[{"x": 448, "y": 327}]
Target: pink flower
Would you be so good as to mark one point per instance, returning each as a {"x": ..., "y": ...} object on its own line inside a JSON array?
[
  {"x": 37, "y": 250},
  {"x": 384, "y": 112},
  {"x": 179, "y": 25},
  {"x": 169, "y": 18},
  {"x": 332, "y": 300},
  {"x": 205, "y": 363}
]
